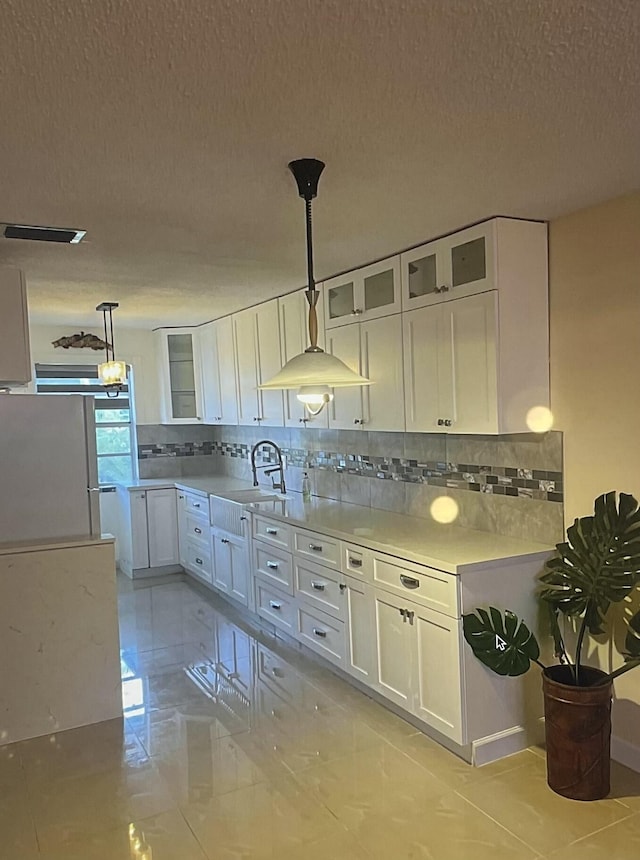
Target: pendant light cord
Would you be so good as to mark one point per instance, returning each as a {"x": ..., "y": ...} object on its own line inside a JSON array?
[{"x": 310, "y": 279}]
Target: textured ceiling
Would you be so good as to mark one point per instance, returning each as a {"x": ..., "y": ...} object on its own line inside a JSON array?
[{"x": 163, "y": 128}]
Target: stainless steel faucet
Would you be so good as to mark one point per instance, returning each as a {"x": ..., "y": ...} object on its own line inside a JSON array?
[{"x": 267, "y": 469}]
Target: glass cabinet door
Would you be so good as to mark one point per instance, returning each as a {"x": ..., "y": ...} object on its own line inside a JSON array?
[
  {"x": 422, "y": 276},
  {"x": 341, "y": 301},
  {"x": 182, "y": 376},
  {"x": 379, "y": 290},
  {"x": 468, "y": 262}
]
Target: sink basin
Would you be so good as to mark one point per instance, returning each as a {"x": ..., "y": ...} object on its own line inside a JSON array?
[
  {"x": 228, "y": 510},
  {"x": 246, "y": 497}
]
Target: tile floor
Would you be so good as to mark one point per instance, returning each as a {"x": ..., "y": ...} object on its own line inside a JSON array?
[{"x": 236, "y": 746}]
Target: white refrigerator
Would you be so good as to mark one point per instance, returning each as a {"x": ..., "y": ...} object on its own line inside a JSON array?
[{"x": 48, "y": 469}]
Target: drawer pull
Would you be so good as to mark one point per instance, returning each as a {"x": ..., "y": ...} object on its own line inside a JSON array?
[
  {"x": 272, "y": 565},
  {"x": 321, "y": 633},
  {"x": 271, "y": 531},
  {"x": 275, "y": 605},
  {"x": 277, "y": 673},
  {"x": 316, "y": 547},
  {"x": 224, "y": 540},
  {"x": 196, "y": 504},
  {"x": 199, "y": 561},
  {"x": 181, "y": 497},
  {"x": 342, "y": 586},
  {"x": 197, "y": 530},
  {"x": 319, "y": 586},
  {"x": 355, "y": 562},
  {"x": 409, "y": 581}
]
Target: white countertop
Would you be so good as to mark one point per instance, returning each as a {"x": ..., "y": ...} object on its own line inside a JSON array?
[
  {"x": 445, "y": 547},
  {"x": 48, "y": 544}
]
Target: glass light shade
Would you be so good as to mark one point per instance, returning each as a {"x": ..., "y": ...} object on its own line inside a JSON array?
[
  {"x": 315, "y": 395},
  {"x": 112, "y": 373},
  {"x": 314, "y": 369}
]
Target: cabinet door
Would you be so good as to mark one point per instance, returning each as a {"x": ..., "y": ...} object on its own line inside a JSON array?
[
  {"x": 345, "y": 410},
  {"x": 182, "y": 528},
  {"x": 139, "y": 531},
  {"x": 438, "y": 681},
  {"x": 381, "y": 346},
  {"x": 394, "y": 639},
  {"x": 428, "y": 372},
  {"x": 425, "y": 275},
  {"x": 341, "y": 297},
  {"x": 360, "y": 627},
  {"x": 245, "y": 348},
  {"x": 471, "y": 329},
  {"x": 380, "y": 289},
  {"x": 239, "y": 569},
  {"x": 268, "y": 362},
  {"x": 162, "y": 518},
  {"x": 180, "y": 379},
  {"x": 294, "y": 339},
  {"x": 15, "y": 353},
  {"x": 470, "y": 260},
  {"x": 221, "y": 561},
  {"x": 218, "y": 373}
]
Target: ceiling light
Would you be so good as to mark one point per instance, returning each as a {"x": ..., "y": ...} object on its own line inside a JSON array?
[
  {"x": 314, "y": 372},
  {"x": 111, "y": 373},
  {"x": 43, "y": 234}
]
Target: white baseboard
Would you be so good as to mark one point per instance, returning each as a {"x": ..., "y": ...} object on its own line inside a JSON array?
[
  {"x": 508, "y": 742},
  {"x": 626, "y": 753}
]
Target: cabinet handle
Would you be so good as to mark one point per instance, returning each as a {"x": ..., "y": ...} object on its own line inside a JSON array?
[
  {"x": 448, "y": 422},
  {"x": 196, "y": 504},
  {"x": 199, "y": 561},
  {"x": 181, "y": 497},
  {"x": 242, "y": 519},
  {"x": 409, "y": 615},
  {"x": 355, "y": 562},
  {"x": 403, "y": 612},
  {"x": 356, "y": 312},
  {"x": 224, "y": 540},
  {"x": 272, "y": 565},
  {"x": 197, "y": 530},
  {"x": 409, "y": 581},
  {"x": 321, "y": 633},
  {"x": 444, "y": 288},
  {"x": 274, "y": 605},
  {"x": 271, "y": 531},
  {"x": 440, "y": 422},
  {"x": 316, "y": 547},
  {"x": 342, "y": 586},
  {"x": 318, "y": 586},
  {"x": 303, "y": 420}
]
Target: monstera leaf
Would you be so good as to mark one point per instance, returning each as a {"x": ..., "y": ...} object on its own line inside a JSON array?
[
  {"x": 506, "y": 646},
  {"x": 632, "y": 640},
  {"x": 599, "y": 564}
]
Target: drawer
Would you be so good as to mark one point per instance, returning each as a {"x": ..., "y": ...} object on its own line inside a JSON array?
[
  {"x": 320, "y": 549},
  {"x": 192, "y": 503},
  {"x": 324, "y": 634},
  {"x": 195, "y": 528},
  {"x": 274, "y": 565},
  {"x": 424, "y": 585},
  {"x": 321, "y": 587},
  {"x": 357, "y": 561},
  {"x": 272, "y": 531},
  {"x": 198, "y": 561},
  {"x": 277, "y": 607}
]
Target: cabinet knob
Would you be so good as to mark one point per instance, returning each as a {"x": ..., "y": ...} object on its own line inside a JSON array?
[
  {"x": 219, "y": 418},
  {"x": 258, "y": 419},
  {"x": 358, "y": 421},
  {"x": 199, "y": 561},
  {"x": 197, "y": 530},
  {"x": 320, "y": 633},
  {"x": 448, "y": 422},
  {"x": 303, "y": 420},
  {"x": 224, "y": 540},
  {"x": 356, "y": 312},
  {"x": 342, "y": 586},
  {"x": 440, "y": 422},
  {"x": 242, "y": 519}
]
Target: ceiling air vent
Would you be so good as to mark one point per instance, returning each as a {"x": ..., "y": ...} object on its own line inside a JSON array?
[{"x": 43, "y": 234}]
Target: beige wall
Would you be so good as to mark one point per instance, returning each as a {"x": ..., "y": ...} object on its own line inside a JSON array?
[
  {"x": 135, "y": 346},
  {"x": 595, "y": 371}
]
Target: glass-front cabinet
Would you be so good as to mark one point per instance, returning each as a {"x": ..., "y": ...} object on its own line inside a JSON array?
[
  {"x": 179, "y": 376},
  {"x": 452, "y": 267},
  {"x": 364, "y": 294}
]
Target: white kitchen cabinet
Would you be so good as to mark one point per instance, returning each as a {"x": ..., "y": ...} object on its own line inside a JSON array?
[
  {"x": 363, "y": 294},
  {"x": 294, "y": 339},
  {"x": 162, "y": 527},
  {"x": 394, "y": 643},
  {"x": 231, "y": 565},
  {"x": 451, "y": 358},
  {"x": 256, "y": 334},
  {"x": 147, "y": 527},
  {"x": 373, "y": 349},
  {"x": 218, "y": 372},
  {"x": 15, "y": 351},
  {"x": 180, "y": 384},
  {"x": 360, "y": 660}
]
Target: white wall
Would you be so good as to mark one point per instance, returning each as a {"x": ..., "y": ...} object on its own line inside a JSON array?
[{"x": 135, "y": 346}]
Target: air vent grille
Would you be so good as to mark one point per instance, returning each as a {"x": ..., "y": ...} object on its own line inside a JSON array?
[{"x": 43, "y": 234}]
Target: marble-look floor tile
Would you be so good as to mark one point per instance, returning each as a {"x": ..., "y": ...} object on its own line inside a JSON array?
[
  {"x": 620, "y": 841},
  {"x": 163, "y": 837}
]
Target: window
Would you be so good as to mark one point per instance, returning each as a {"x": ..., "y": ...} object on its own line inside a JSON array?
[{"x": 115, "y": 429}]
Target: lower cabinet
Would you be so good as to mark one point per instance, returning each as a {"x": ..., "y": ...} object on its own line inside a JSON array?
[
  {"x": 231, "y": 565},
  {"x": 147, "y": 531},
  {"x": 360, "y": 652}
]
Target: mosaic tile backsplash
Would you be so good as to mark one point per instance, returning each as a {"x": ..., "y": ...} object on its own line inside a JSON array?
[{"x": 512, "y": 485}]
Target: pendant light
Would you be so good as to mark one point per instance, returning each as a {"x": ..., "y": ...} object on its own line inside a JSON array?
[
  {"x": 314, "y": 372},
  {"x": 111, "y": 373}
]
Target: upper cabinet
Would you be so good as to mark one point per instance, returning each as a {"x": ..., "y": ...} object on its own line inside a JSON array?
[
  {"x": 493, "y": 255},
  {"x": 256, "y": 334},
  {"x": 179, "y": 376},
  {"x": 373, "y": 349},
  {"x": 15, "y": 353},
  {"x": 364, "y": 294},
  {"x": 218, "y": 372},
  {"x": 294, "y": 339}
]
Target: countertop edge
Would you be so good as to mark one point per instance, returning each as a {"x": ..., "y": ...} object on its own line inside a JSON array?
[{"x": 53, "y": 544}]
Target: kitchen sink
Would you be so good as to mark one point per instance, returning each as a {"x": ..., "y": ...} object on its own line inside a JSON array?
[{"x": 227, "y": 511}]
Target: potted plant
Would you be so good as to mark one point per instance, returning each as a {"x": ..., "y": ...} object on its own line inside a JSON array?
[{"x": 598, "y": 565}]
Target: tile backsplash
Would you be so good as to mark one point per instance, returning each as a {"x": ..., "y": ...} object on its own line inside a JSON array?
[{"x": 512, "y": 485}]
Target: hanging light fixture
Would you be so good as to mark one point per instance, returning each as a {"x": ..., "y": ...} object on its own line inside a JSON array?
[
  {"x": 314, "y": 372},
  {"x": 111, "y": 373}
]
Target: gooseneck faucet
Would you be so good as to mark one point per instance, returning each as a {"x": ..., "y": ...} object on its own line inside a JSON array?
[{"x": 268, "y": 470}]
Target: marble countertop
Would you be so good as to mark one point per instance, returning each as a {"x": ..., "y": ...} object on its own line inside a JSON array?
[
  {"x": 445, "y": 547},
  {"x": 47, "y": 544}
]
